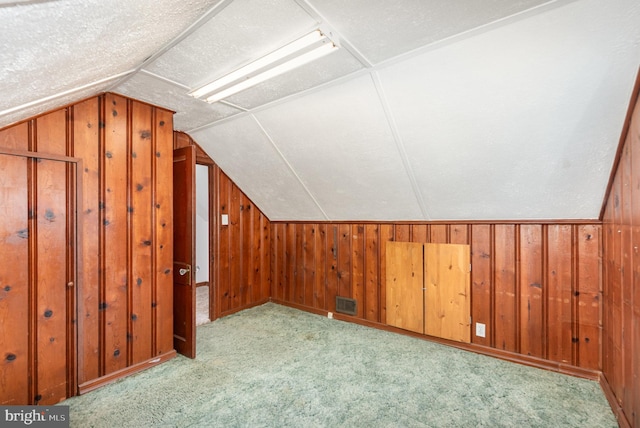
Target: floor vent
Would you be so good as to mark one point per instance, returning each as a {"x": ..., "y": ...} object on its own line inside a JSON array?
[{"x": 345, "y": 305}]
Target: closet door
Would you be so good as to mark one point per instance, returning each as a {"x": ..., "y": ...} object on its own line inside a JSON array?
[
  {"x": 37, "y": 278},
  {"x": 448, "y": 303},
  {"x": 404, "y": 292}
]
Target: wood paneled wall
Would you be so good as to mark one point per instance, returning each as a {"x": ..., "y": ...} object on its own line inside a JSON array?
[
  {"x": 536, "y": 287},
  {"x": 124, "y": 298},
  {"x": 621, "y": 239},
  {"x": 241, "y": 250},
  {"x": 243, "y": 262}
]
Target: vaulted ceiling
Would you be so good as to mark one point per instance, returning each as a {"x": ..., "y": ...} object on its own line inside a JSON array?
[{"x": 429, "y": 109}]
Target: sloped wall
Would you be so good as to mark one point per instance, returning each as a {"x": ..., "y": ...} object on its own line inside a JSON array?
[{"x": 621, "y": 251}]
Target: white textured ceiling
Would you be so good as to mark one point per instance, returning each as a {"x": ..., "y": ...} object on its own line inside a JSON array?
[{"x": 431, "y": 110}]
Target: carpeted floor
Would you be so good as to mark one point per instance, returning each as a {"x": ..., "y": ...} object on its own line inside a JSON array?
[
  {"x": 273, "y": 366},
  {"x": 202, "y": 305}
]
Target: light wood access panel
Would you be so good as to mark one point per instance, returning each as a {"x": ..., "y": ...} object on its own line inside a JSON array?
[
  {"x": 447, "y": 276},
  {"x": 405, "y": 285},
  {"x": 428, "y": 289}
]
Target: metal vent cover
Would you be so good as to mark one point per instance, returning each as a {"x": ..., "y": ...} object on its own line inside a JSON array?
[{"x": 344, "y": 305}]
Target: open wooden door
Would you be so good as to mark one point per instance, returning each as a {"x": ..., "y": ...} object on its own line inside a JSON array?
[
  {"x": 405, "y": 286},
  {"x": 447, "y": 277},
  {"x": 184, "y": 287}
]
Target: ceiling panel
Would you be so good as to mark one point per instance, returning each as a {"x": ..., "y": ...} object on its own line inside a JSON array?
[
  {"x": 382, "y": 29},
  {"x": 339, "y": 143},
  {"x": 242, "y": 32},
  {"x": 245, "y": 154},
  {"x": 53, "y": 47},
  {"x": 523, "y": 121},
  {"x": 190, "y": 112}
]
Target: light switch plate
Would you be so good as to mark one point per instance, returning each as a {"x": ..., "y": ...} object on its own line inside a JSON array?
[{"x": 224, "y": 220}]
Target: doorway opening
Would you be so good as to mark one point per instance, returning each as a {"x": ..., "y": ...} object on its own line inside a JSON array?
[
  {"x": 192, "y": 267},
  {"x": 204, "y": 312}
]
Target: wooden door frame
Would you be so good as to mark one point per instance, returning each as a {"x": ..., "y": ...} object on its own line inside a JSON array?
[
  {"x": 213, "y": 227},
  {"x": 74, "y": 300}
]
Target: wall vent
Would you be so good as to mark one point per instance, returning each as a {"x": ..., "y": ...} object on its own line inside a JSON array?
[{"x": 344, "y": 305}]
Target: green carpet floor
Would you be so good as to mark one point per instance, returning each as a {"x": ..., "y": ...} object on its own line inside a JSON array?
[{"x": 273, "y": 366}]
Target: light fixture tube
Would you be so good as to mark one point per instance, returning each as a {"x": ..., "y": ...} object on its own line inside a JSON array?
[
  {"x": 273, "y": 72},
  {"x": 299, "y": 52}
]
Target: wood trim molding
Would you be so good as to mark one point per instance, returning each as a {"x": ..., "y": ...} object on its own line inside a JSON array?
[
  {"x": 39, "y": 155},
  {"x": 112, "y": 377},
  {"x": 617, "y": 409},
  {"x": 442, "y": 222},
  {"x": 623, "y": 137}
]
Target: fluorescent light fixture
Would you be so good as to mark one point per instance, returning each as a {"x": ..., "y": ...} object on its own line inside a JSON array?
[{"x": 297, "y": 53}]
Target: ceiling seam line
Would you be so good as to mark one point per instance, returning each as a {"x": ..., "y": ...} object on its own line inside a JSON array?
[
  {"x": 227, "y": 103},
  {"x": 472, "y": 32},
  {"x": 343, "y": 41},
  {"x": 203, "y": 19},
  {"x": 284, "y": 159},
  {"x": 23, "y": 3},
  {"x": 399, "y": 143},
  {"x": 164, "y": 79},
  {"x": 63, "y": 93}
]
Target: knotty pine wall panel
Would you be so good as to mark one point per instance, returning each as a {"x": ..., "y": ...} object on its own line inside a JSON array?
[
  {"x": 140, "y": 233},
  {"x": 49, "y": 253},
  {"x": 14, "y": 291},
  {"x": 559, "y": 268},
  {"x": 124, "y": 298},
  {"x": 621, "y": 259},
  {"x": 532, "y": 319},
  {"x": 115, "y": 192},
  {"x": 86, "y": 128},
  {"x": 536, "y": 287},
  {"x": 503, "y": 323},
  {"x": 481, "y": 284},
  {"x": 162, "y": 213}
]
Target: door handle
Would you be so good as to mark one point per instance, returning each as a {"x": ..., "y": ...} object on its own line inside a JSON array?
[{"x": 183, "y": 271}]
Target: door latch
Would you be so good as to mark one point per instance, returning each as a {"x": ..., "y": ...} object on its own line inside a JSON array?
[{"x": 183, "y": 271}]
